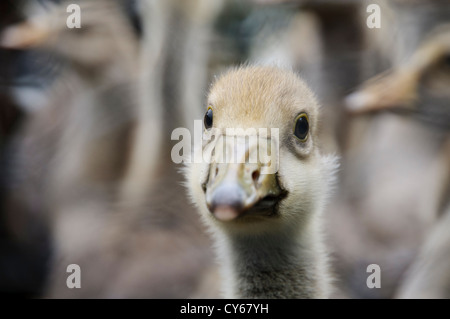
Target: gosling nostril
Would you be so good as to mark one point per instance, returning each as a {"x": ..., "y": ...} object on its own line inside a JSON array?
[{"x": 255, "y": 177}]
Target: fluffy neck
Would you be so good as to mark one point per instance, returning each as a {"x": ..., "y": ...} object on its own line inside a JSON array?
[{"x": 287, "y": 263}]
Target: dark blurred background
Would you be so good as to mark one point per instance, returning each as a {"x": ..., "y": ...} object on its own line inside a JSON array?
[{"x": 86, "y": 118}]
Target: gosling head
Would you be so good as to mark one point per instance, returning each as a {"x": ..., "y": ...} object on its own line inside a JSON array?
[{"x": 239, "y": 192}]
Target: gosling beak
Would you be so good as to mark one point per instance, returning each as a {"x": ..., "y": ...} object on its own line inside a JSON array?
[
  {"x": 25, "y": 35},
  {"x": 237, "y": 188}
]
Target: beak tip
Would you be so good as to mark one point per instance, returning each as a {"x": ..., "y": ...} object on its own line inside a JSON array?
[
  {"x": 226, "y": 201},
  {"x": 225, "y": 213}
]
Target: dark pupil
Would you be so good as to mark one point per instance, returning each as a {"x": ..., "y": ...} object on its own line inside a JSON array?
[
  {"x": 208, "y": 121},
  {"x": 301, "y": 128}
]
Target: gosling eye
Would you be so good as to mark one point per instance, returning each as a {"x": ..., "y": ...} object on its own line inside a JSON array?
[
  {"x": 208, "y": 119},
  {"x": 301, "y": 127}
]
